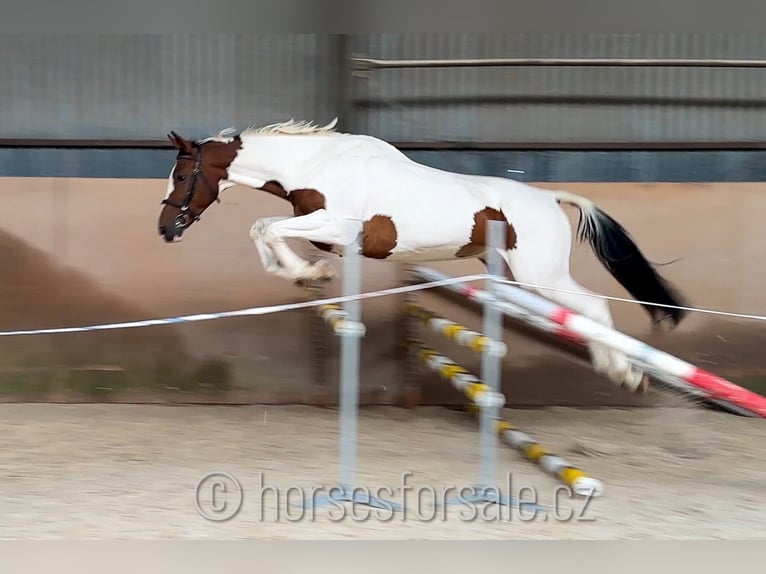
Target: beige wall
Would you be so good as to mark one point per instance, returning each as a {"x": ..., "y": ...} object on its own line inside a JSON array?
[{"x": 80, "y": 251}]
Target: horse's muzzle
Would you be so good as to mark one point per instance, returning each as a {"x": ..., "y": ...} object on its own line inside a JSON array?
[
  {"x": 170, "y": 234},
  {"x": 174, "y": 232}
]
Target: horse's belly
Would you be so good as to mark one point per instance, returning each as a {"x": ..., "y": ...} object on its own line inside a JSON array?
[
  {"x": 427, "y": 227},
  {"x": 441, "y": 253},
  {"x": 431, "y": 239}
]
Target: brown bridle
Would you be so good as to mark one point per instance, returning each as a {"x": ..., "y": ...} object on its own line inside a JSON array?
[{"x": 187, "y": 216}]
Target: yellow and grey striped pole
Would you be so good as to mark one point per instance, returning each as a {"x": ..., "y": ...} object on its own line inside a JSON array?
[
  {"x": 481, "y": 394},
  {"x": 338, "y": 320},
  {"x": 478, "y": 392},
  {"x": 456, "y": 332},
  {"x": 580, "y": 483}
]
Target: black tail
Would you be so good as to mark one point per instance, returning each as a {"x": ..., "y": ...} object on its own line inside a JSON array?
[{"x": 620, "y": 255}]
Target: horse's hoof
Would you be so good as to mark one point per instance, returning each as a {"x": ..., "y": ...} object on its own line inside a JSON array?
[
  {"x": 636, "y": 381},
  {"x": 323, "y": 270},
  {"x": 311, "y": 284}
]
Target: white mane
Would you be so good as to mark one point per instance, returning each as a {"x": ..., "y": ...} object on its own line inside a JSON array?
[
  {"x": 290, "y": 127},
  {"x": 224, "y": 136}
]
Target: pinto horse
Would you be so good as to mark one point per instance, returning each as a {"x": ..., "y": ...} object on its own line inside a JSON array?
[{"x": 409, "y": 213}]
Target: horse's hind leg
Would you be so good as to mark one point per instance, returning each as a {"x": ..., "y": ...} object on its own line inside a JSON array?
[
  {"x": 615, "y": 365},
  {"x": 543, "y": 260}
]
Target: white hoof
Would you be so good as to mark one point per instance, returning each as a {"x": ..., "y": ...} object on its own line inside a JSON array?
[
  {"x": 322, "y": 271},
  {"x": 617, "y": 368},
  {"x": 634, "y": 380},
  {"x": 319, "y": 271}
]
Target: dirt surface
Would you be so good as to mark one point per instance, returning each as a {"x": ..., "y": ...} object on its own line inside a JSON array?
[{"x": 119, "y": 471}]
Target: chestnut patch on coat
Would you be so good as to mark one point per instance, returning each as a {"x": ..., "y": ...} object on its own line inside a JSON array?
[
  {"x": 305, "y": 201},
  {"x": 274, "y": 188},
  {"x": 378, "y": 237},
  {"x": 478, "y": 240},
  {"x": 378, "y": 233}
]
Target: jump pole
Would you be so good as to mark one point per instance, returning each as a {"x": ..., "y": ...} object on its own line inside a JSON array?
[
  {"x": 483, "y": 399},
  {"x": 569, "y": 474},
  {"x": 667, "y": 369},
  {"x": 558, "y": 467},
  {"x": 346, "y": 323}
]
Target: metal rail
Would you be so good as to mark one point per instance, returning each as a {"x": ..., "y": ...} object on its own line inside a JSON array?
[
  {"x": 161, "y": 144},
  {"x": 366, "y": 64},
  {"x": 87, "y": 143}
]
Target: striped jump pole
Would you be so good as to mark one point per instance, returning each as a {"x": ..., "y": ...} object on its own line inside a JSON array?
[
  {"x": 472, "y": 387},
  {"x": 665, "y": 368},
  {"x": 455, "y": 332},
  {"x": 482, "y": 397},
  {"x": 508, "y": 308},
  {"x": 346, "y": 324},
  {"x": 567, "y": 473}
]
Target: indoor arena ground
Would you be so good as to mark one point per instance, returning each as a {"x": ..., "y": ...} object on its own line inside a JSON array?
[{"x": 131, "y": 471}]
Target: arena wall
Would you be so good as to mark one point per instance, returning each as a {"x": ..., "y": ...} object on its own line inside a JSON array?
[{"x": 85, "y": 251}]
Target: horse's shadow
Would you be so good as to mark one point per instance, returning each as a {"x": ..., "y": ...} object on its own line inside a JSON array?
[{"x": 36, "y": 292}]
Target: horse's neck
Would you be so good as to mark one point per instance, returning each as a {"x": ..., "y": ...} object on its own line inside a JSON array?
[{"x": 274, "y": 158}]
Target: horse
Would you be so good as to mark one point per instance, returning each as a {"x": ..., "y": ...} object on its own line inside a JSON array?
[{"x": 410, "y": 212}]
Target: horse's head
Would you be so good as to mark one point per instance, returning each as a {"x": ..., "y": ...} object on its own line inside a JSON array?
[{"x": 194, "y": 183}]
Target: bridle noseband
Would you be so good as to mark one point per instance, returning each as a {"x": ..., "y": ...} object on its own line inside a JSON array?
[{"x": 187, "y": 216}]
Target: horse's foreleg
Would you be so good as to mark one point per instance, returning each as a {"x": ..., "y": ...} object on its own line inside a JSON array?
[
  {"x": 269, "y": 260},
  {"x": 318, "y": 226}
]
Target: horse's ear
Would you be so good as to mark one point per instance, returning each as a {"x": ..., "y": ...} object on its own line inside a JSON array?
[{"x": 179, "y": 142}]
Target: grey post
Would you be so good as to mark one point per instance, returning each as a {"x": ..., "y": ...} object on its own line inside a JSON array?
[
  {"x": 491, "y": 358},
  {"x": 350, "y": 330},
  {"x": 350, "y": 349},
  {"x": 491, "y": 364}
]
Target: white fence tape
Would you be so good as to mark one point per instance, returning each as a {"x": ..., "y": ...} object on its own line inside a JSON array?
[{"x": 251, "y": 311}]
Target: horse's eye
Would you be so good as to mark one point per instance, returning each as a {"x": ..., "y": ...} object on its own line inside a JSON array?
[{"x": 181, "y": 177}]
